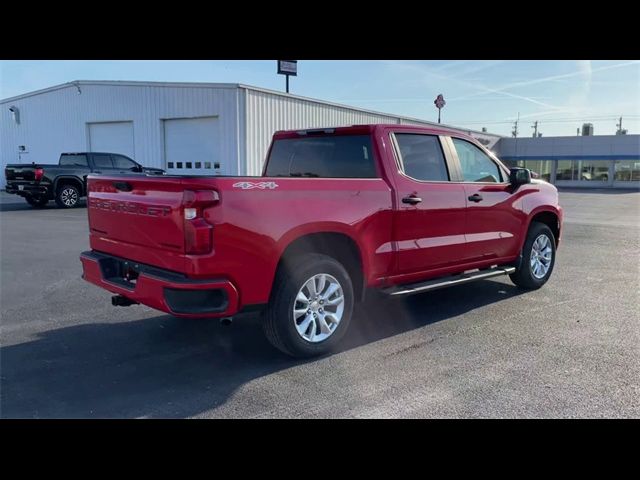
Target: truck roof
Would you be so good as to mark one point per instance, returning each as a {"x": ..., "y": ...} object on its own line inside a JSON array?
[
  {"x": 84, "y": 153},
  {"x": 367, "y": 128}
]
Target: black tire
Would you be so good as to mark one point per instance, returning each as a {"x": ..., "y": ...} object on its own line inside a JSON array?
[
  {"x": 36, "y": 202},
  {"x": 68, "y": 196},
  {"x": 523, "y": 276},
  {"x": 278, "y": 319}
]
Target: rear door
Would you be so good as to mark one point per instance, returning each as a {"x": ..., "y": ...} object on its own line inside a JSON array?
[
  {"x": 429, "y": 220},
  {"x": 77, "y": 163},
  {"x": 493, "y": 217}
]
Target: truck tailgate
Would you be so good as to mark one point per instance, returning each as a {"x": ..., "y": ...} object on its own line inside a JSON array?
[
  {"x": 20, "y": 172},
  {"x": 138, "y": 218}
]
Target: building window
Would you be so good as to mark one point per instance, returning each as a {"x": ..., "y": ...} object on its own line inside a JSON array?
[
  {"x": 627, "y": 171},
  {"x": 542, "y": 167},
  {"x": 583, "y": 170},
  {"x": 513, "y": 163}
]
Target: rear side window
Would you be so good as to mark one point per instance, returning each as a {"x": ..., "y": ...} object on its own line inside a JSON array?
[
  {"x": 422, "y": 157},
  {"x": 102, "y": 161},
  {"x": 74, "y": 160},
  {"x": 348, "y": 156}
]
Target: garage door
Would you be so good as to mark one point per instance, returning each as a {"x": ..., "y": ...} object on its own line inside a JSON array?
[
  {"x": 114, "y": 137},
  {"x": 192, "y": 146}
]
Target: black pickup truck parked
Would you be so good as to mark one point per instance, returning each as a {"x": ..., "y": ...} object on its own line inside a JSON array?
[{"x": 66, "y": 182}]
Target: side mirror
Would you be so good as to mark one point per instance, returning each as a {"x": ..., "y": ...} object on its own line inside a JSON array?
[
  {"x": 137, "y": 168},
  {"x": 519, "y": 176}
]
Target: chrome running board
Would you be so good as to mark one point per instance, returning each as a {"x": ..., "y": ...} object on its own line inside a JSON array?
[{"x": 449, "y": 281}]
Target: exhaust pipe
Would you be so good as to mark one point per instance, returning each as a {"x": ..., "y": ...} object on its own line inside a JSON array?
[
  {"x": 121, "y": 301},
  {"x": 226, "y": 321}
]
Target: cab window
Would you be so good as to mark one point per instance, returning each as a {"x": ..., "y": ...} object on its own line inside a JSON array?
[{"x": 476, "y": 165}]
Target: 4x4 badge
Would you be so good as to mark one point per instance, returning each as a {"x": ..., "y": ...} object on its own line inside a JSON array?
[{"x": 260, "y": 185}]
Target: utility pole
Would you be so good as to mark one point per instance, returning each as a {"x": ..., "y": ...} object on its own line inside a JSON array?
[
  {"x": 620, "y": 130},
  {"x": 515, "y": 127},
  {"x": 535, "y": 129},
  {"x": 515, "y": 134}
]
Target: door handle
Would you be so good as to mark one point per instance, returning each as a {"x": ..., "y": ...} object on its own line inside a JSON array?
[
  {"x": 411, "y": 200},
  {"x": 123, "y": 186},
  {"x": 476, "y": 197}
]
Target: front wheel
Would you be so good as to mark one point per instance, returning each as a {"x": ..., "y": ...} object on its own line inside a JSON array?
[
  {"x": 538, "y": 258},
  {"x": 311, "y": 306}
]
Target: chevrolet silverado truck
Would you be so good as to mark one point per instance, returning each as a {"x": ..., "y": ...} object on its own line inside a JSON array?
[
  {"x": 65, "y": 182},
  {"x": 337, "y": 212}
]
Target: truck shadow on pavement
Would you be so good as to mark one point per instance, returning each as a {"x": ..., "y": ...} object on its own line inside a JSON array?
[
  {"x": 13, "y": 207},
  {"x": 169, "y": 367}
]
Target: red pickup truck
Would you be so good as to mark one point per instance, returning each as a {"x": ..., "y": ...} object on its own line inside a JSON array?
[{"x": 337, "y": 212}]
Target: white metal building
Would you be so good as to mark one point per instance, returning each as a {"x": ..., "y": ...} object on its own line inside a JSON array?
[{"x": 189, "y": 128}]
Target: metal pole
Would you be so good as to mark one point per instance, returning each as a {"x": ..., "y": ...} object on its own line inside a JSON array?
[
  {"x": 287, "y": 83},
  {"x": 439, "y": 114}
]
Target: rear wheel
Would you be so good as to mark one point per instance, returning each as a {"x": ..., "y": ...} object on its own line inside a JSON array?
[
  {"x": 311, "y": 306},
  {"x": 68, "y": 196},
  {"x": 36, "y": 202},
  {"x": 538, "y": 258}
]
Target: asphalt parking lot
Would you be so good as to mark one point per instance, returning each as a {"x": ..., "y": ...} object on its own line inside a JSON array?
[{"x": 571, "y": 349}]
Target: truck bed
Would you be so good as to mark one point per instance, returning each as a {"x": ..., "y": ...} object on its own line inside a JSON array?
[{"x": 250, "y": 221}]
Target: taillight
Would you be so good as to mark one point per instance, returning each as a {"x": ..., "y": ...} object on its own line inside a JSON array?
[
  {"x": 38, "y": 174},
  {"x": 198, "y": 234}
]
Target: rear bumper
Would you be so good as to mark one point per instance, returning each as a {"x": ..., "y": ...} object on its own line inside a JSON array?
[
  {"x": 163, "y": 290},
  {"x": 27, "y": 189}
]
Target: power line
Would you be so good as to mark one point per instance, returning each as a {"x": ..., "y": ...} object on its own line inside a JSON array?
[{"x": 551, "y": 120}]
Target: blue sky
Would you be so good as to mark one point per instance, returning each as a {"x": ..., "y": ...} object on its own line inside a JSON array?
[{"x": 560, "y": 95}]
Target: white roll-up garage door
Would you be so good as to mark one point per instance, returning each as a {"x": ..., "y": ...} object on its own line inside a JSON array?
[
  {"x": 112, "y": 137},
  {"x": 192, "y": 146}
]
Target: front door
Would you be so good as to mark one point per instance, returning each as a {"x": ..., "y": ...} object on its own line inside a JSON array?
[
  {"x": 494, "y": 215},
  {"x": 430, "y": 218}
]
